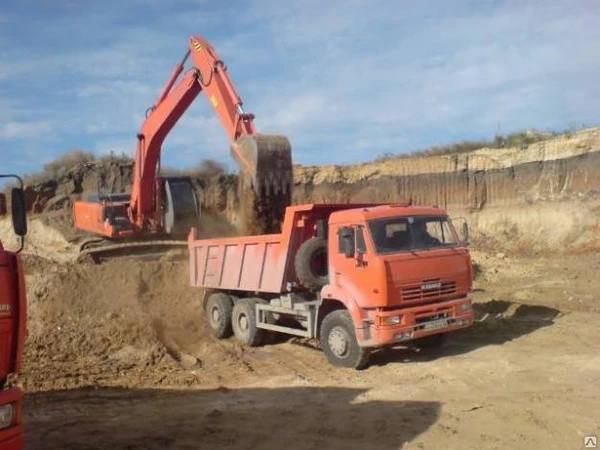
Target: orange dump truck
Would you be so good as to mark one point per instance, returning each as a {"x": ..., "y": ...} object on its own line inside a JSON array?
[
  {"x": 353, "y": 276},
  {"x": 13, "y": 322}
]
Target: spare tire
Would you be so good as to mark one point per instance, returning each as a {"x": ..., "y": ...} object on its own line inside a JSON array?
[{"x": 311, "y": 263}]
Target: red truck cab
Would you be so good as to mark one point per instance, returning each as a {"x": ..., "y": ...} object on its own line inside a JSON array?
[
  {"x": 402, "y": 271},
  {"x": 13, "y": 323},
  {"x": 356, "y": 277}
]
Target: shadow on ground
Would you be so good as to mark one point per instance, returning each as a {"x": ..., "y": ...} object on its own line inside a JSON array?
[
  {"x": 497, "y": 322},
  {"x": 282, "y": 418}
]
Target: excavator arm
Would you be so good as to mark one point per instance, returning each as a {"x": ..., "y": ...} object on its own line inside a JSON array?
[
  {"x": 264, "y": 160},
  {"x": 160, "y": 211}
]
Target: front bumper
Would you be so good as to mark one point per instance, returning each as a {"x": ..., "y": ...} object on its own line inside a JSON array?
[
  {"x": 16, "y": 442},
  {"x": 415, "y": 322},
  {"x": 12, "y": 438}
]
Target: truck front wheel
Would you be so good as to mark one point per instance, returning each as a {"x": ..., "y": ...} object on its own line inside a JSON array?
[
  {"x": 218, "y": 312},
  {"x": 338, "y": 340},
  {"x": 244, "y": 323}
]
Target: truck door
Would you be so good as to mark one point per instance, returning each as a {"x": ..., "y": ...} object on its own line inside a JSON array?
[{"x": 353, "y": 264}]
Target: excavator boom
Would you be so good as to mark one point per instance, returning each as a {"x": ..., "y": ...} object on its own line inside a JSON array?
[
  {"x": 265, "y": 160},
  {"x": 167, "y": 208}
]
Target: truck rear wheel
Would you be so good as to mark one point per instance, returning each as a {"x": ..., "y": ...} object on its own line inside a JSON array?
[
  {"x": 244, "y": 323},
  {"x": 310, "y": 263},
  {"x": 338, "y": 340},
  {"x": 218, "y": 311}
]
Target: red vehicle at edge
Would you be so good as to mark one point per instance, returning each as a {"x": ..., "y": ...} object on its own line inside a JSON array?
[{"x": 13, "y": 327}]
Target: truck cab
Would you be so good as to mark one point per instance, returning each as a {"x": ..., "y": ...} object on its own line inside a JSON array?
[
  {"x": 402, "y": 271},
  {"x": 13, "y": 322}
]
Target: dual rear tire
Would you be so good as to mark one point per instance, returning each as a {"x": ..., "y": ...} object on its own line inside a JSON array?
[
  {"x": 226, "y": 318},
  {"x": 218, "y": 311}
]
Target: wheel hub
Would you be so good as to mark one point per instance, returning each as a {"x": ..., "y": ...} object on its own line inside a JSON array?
[
  {"x": 338, "y": 342},
  {"x": 215, "y": 315},
  {"x": 243, "y": 323}
]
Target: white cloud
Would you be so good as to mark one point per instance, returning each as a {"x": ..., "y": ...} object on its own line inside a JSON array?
[
  {"x": 344, "y": 80},
  {"x": 33, "y": 130}
]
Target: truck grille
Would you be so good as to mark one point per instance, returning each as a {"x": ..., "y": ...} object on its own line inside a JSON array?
[{"x": 429, "y": 290}]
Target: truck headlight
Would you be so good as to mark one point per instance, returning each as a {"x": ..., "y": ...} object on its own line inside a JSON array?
[
  {"x": 466, "y": 306},
  {"x": 391, "y": 320},
  {"x": 6, "y": 415}
]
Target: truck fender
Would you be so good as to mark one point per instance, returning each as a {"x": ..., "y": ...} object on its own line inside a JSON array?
[{"x": 332, "y": 298}]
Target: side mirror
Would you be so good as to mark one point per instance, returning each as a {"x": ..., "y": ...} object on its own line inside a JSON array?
[
  {"x": 347, "y": 241},
  {"x": 464, "y": 235},
  {"x": 467, "y": 236},
  {"x": 19, "y": 215}
]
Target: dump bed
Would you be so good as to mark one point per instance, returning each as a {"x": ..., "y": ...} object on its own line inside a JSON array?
[
  {"x": 262, "y": 263},
  {"x": 254, "y": 263}
]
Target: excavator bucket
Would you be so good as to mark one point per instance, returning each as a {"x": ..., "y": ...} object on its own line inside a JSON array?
[
  {"x": 265, "y": 181},
  {"x": 266, "y": 163}
]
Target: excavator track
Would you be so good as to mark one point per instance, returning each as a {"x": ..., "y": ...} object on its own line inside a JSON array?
[{"x": 100, "y": 250}]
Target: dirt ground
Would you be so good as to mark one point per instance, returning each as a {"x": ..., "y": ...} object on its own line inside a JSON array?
[{"x": 118, "y": 357}]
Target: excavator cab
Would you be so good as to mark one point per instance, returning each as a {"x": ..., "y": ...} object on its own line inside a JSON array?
[
  {"x": 177, "y": 212},
  {"x": 181, "y": 209}
]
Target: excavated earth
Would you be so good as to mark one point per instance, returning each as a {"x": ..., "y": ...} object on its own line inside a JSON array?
[{"x": 118, "y": 355}]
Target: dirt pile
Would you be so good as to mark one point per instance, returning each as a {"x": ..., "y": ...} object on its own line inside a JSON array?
[
  {"x": 125, "y": 323},
  {"x": 42, "y": 240}
]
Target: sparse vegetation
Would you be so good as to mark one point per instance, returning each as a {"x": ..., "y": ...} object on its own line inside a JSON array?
[
  {"x": 520, "y": 139},
  {"x": 60, "y": 166},
  {"x": 207, "y": 168},
  {"x": 112, "y": 158}
]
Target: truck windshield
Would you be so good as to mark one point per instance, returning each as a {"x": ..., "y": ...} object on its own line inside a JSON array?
[{"x": 399, "y": 234}]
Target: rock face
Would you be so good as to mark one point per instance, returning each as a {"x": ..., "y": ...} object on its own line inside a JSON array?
[
  {"x": 470, "y": 189},
  {"x": 550, "y": 170},
  {"x": 478, "y": 182}
]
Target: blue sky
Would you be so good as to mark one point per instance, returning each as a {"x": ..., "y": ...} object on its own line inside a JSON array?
[{"x": 346, "y": 81}]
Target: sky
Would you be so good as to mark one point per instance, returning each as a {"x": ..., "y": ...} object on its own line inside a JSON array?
[{"x": 346, "y": 81}]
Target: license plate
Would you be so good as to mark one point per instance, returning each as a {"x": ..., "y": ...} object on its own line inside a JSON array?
[{"x": 435, "y": 324}]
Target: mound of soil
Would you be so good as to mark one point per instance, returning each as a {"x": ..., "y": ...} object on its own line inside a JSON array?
[{"x": 125, "y": 323}]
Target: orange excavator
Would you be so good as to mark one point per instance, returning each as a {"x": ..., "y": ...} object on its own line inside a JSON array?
[{"x": 160, "y": 211}]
